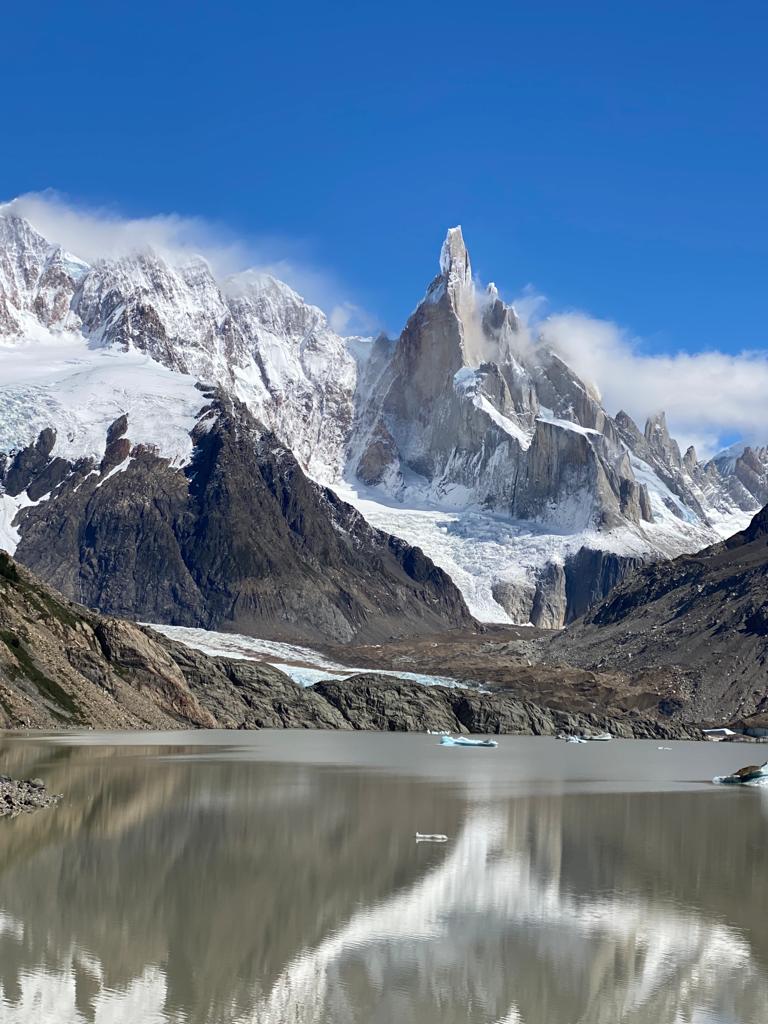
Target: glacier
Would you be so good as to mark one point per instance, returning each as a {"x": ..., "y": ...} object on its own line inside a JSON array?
[{"x": 303, "y": 665}]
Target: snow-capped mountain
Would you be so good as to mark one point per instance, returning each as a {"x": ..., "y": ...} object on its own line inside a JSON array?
[
  {"x": 545, "y": 499},
  {"x": 465, "y": 435},
  {"x": 251, "y": 333},
  {"x": 460, "y": 415},
  {"x": 238, "y": 536},
  {"x": 37, "y": 281}
]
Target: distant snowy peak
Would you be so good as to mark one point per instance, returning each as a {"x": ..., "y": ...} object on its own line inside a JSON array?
[
  {"x": 174, "y": 313},
  {"x": 37, "y": 279},
  {"x": 273, "y": 304},
  {"x": 455, "y": 417},
  {"x": 251, "y": 334},
  {"x": 471, "y": 409},
  {"x": 308, "y": 371},
  {"x": 276, "y": 321}
]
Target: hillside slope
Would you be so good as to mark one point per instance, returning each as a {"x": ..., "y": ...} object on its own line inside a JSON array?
[{"x": 700, "y": 620}]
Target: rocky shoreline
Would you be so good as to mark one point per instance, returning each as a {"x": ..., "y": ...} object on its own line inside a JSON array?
[
  {"x": 242, "y": 694},
  {"x": 18, "y": 796},
  {"x": 376, "y": 702}
]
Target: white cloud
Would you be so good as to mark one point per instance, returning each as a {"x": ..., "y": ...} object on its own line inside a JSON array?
[
  {"x": 347, "y": 318},
  {"x": 97, "y": 233},
  {"x": 708, "y": 396},
  {"x": 94, "y": 234}
]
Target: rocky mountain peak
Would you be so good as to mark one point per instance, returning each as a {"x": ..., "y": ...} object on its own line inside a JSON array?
[
  {"x": 37, "y": 279},
  {"x": 690, "y": 459},
  {"x": 656, "y": 427},
  {"x": 17, "y": 235},
  {"x": 659, "y": 440},
  {"x": 456, "y": 412},
  {"x": 628, "y": 427},
  {"x": 745, "y": 470},
  {"x": 243, "y": 536},
  {"x": 455, "y": 266}
]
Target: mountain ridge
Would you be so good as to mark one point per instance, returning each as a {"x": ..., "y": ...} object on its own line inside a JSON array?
[{"x": 463, "y": 436}]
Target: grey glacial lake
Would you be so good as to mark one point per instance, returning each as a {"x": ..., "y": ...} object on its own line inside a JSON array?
[{"x": 274, "y": 878}]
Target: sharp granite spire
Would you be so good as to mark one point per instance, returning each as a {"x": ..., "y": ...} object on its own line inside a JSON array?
[{"x": 455, "y": 265}]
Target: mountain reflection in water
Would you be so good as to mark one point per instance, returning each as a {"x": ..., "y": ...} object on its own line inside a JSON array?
[{"x": 211, "y": 885}]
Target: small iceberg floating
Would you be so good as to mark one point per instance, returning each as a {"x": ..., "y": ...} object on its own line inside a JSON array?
[
  {"x": 437, "y": 837},
  {"x": 602, "y": 737},
  {"x": 753, "y": 774},
  {"x": 438, "y": 732},
  {"x": 466, "y": 741}
]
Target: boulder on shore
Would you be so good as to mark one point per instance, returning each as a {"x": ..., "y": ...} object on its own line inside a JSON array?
[{"x": 17, "y": 796}]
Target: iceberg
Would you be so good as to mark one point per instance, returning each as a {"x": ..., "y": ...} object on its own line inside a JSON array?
[{"x": 466, "y": 741}]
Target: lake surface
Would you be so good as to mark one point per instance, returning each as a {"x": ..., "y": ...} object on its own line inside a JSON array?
[{"x": 274, "y": 878}]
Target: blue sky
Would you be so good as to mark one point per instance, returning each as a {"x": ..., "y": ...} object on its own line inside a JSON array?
[{"x": 611, "y": 154}]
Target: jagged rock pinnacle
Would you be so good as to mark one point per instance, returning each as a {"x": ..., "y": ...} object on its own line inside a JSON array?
[
  {"x": 454, "y": 258},
  {"x": 656, "y": 426}
]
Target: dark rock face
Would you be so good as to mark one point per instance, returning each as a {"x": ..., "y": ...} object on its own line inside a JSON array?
[
  {"x": 250, "y": 695},
  {"x": 240, "y": 538},
  {"x": 590, "y": 575},
  {"x": 33, "y": 470},
  {"x": 117, "y": 429},
  {"x": 699, "y": 619},
  {"x": 563, "y": 593},
  {"x": 64, "y": 666},
  {"x": 756, "y": 531}
]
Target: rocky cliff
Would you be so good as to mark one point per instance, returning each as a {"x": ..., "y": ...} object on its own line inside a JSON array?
[
  {"x": 250, "y": 333},
  {"x": 745, "y": 471},
  {"x": 461, "y": 410}
]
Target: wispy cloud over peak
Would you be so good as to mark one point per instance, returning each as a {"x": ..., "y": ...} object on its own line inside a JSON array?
[
  {"x": 98, "y": 233},
  {"x": 709, "y": 396}
]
